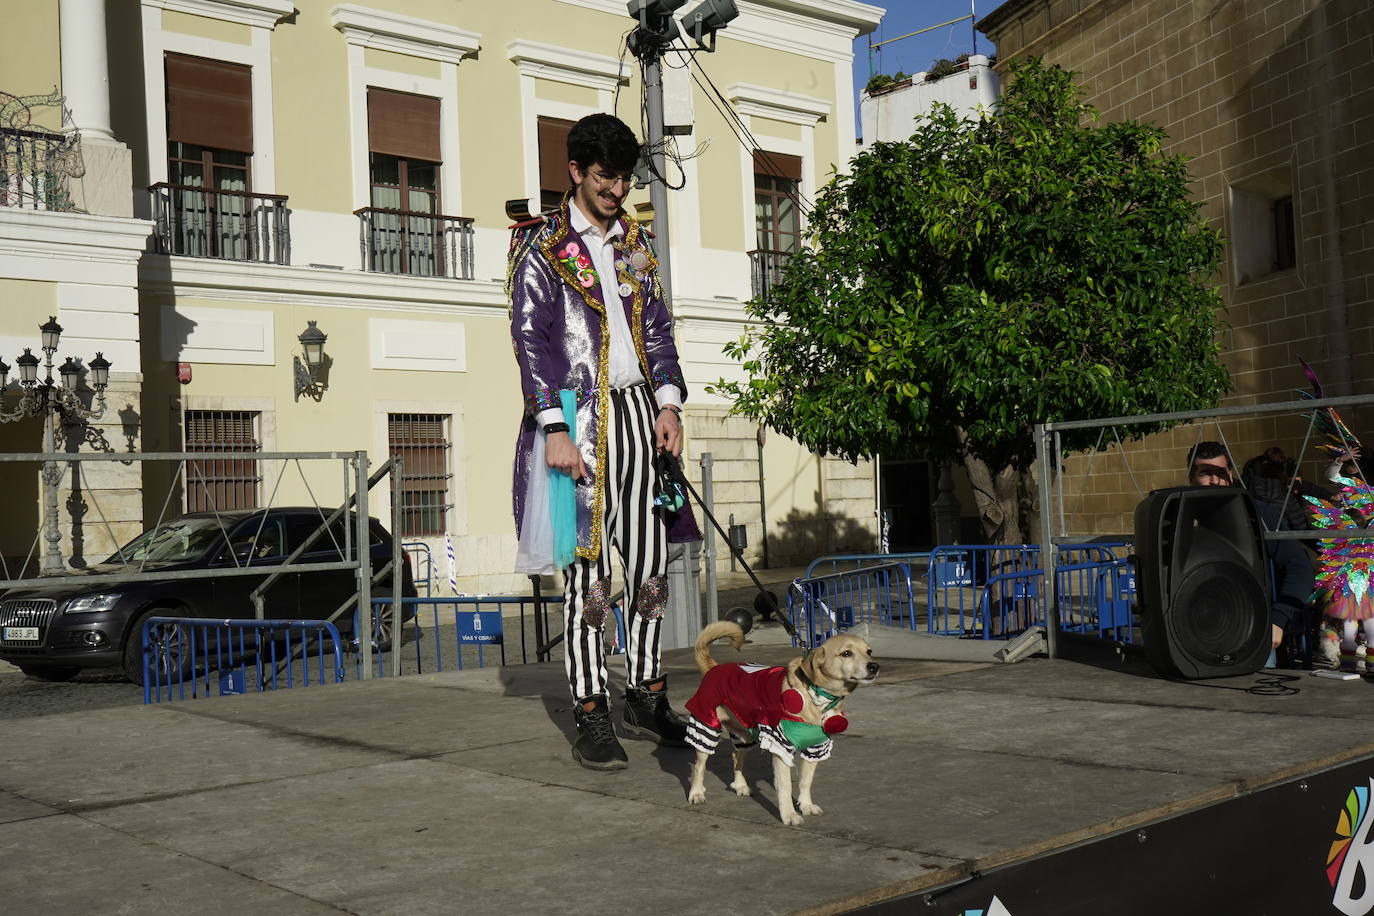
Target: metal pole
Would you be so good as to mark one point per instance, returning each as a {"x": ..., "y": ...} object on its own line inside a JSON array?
[
  {"x": 658, "y": 190},
  {"x": 709, "y": 541},
  {"x": 731, "y": 529},
  {"x": 759, "y": 436},
  {"x": 52, "y": 479},
  {"x": 1048, "y": 550},
  {"x": 363, "y": 631},
  {"x": 539, "y": 651},
  {"x": 397, "y": 567}
]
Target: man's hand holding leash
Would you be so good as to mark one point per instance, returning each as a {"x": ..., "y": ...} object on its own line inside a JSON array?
[{"x": 668, "y": 430}]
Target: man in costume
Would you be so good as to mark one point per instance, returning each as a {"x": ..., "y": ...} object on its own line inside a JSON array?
[
  {"x": 603, "y": 393},
  {"x": 1209, "y": 465}
]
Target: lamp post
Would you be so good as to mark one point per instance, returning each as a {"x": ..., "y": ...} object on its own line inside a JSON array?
[
  {"x": 52, "y": 399},
  {"x": 309, "y": 374},
  {"x": 656, "y": 33}
]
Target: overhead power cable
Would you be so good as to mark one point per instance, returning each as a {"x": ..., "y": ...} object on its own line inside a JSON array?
[{"x": 741, "y": 130}]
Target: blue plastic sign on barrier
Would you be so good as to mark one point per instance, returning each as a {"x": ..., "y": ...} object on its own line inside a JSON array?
[
  {"x": 479, "y": 627},
  {"x": 231, "y": 683}
]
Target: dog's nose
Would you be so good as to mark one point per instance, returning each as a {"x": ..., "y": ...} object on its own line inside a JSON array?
[{"x": 872, "y": 669}]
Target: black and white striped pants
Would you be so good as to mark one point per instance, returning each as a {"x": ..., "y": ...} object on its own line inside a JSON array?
[{"x": 640, "y": 536}]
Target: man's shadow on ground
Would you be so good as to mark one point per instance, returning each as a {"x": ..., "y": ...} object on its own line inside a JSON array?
[{"x": 548, "y": 681}]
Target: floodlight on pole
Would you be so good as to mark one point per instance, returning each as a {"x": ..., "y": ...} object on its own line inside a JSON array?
[{"x": 706, "y": 18}]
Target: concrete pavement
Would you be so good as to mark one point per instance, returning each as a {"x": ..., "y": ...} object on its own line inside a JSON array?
[{"x": 456, "y": 792}]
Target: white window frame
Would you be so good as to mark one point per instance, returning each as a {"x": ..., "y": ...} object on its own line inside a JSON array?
[
  {"x": 261, "y": 17},
  {"x": 535, "y": 61},
  {"x": 365, "y": 28},
  {"x": 805, "y": 111}
]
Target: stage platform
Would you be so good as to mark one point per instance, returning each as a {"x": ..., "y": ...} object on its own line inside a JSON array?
[{"x": 456, "y": 793}]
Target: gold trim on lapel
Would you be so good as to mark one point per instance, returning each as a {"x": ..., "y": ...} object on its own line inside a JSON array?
[{"x": 590, "y": 294}]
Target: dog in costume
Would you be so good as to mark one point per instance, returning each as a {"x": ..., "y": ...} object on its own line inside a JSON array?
[{"x": 791, "y": 710}]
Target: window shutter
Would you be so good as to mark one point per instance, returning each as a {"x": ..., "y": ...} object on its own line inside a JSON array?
[
  {"x": 404, "y": 125},
  {"x": 777, "y": 165},
  {"x": 553, "y": 155},
  {"x": 209, "y": 103}
]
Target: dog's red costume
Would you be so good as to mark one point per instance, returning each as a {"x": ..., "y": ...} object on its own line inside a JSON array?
[
  {"x": 754, "y": 696},
  {"x": 752, "y": 693}
]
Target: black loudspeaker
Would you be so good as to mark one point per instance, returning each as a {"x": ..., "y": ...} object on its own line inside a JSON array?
[{"x": 1202, "y": 578}]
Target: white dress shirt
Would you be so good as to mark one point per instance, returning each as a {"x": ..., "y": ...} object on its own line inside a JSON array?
[{"x": 623, "y": 368}]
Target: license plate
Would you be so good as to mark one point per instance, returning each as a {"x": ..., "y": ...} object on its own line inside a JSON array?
[{"x": 21, "y": 634}]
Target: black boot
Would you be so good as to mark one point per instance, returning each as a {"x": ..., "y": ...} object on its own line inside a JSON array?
[
  {"x": 596, "y": 747},
  {"x": 648, "y": 715}
]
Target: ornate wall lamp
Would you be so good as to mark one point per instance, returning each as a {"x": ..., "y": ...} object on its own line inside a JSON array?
[
  {"x": 312, "y": 375},
  {"x": 51, "y": 400}
]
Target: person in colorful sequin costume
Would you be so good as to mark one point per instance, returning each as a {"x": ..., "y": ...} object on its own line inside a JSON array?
[
  {"x": 589, "y": 324},
  {"x": 1344, "y": 566}
]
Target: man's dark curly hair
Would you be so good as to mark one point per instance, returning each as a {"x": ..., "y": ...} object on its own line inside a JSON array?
[
  {"x": 603, "y": 140},
  {"x": 1208, "y": 450}
]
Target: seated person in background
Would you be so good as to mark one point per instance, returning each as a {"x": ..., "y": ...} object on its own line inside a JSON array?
[
  {"x": 1270, "y": 478},
  {"x": 1209, "y": 465}
]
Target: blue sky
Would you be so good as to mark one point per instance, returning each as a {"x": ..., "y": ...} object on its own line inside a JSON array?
[{"x": 915, "y": 54}]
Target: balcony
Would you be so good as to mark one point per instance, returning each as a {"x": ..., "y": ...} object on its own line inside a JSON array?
[
  {"x": 416, "y": 244},
  {"x": 765, "y": 269},
  {"x": 35, "y": 166},
  {"x": 228, "y": 225}
]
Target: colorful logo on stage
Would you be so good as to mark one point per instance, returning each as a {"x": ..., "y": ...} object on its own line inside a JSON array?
[
  {"x": 995, "y": 908},
  {"x": 1350, "y": 863}
]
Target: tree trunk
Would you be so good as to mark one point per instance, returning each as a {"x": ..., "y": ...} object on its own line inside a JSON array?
[
  {"x": 1030, "y": 505},
  {"x": 995, "y": 495}
]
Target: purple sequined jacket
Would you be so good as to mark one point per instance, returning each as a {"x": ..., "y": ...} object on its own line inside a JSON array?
[{"x": 561, "y": 339}]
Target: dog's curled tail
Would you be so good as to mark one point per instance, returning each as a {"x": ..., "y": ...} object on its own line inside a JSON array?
[{"x": 709, "y": 635}]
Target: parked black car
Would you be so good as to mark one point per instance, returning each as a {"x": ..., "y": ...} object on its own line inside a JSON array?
[{"x": 54, "y": 631}]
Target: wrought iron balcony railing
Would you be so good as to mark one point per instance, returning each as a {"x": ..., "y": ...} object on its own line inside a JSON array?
[
  {"x": 416, "y": 244},
  {"x": 35, "y": 166},
  {"x": 765, "y": 269},
  {"x": 230, "y": 225}
]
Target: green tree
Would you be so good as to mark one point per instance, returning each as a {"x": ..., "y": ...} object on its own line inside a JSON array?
[{"x": 983, "y": 276}]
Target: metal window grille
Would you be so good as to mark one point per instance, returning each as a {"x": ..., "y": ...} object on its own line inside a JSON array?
[
  {"x": 222, "y": 484},
  {"x": 420, "y": 440}
]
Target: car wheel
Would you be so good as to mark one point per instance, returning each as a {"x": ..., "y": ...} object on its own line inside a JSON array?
[
  {"x": 50, "y": 672},
  {"x": 170, "y": 644},
  {"x": 381, "y": 629}
]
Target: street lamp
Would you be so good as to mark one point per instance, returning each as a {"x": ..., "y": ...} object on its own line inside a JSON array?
[
  {"x": 51, "y": 399},
  {"x": 309, "y": 375}
]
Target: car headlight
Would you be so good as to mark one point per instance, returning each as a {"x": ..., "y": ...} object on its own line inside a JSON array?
[{"x": 89, "y": 604}]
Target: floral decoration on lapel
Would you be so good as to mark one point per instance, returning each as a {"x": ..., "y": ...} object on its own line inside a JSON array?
[{"x": 578, "y": 264}]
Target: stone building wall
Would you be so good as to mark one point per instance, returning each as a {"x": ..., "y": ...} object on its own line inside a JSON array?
[{"x": 1269, "y": 100}]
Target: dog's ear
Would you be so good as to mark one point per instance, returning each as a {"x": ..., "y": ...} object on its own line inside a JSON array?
[{"x": 812, "y": 661}]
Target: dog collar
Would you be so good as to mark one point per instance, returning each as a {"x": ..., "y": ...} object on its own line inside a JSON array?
[{"x": 819, "y": 691}]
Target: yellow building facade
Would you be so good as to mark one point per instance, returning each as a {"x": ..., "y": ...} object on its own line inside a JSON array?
[{"x": 347, "y": 168}]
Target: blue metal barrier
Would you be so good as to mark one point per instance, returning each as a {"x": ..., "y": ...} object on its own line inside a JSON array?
[
  {"x": 421, "y": 566},
  {"x": 860, "y": 560},
  {"x": 479, "y": 623},
  {"x": 820, "y": 606},
  {"x": 966, "y": 583},
  {"x": 233, "y": 656},
  {"x": 957, "y": 599}
]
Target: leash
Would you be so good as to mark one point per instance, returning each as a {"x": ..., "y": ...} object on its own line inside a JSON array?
[{"x": 769, "y": 600}]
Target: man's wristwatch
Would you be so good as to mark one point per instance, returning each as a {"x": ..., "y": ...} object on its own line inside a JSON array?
[
  {"x": 551, "y": 428},
  {"x": 674, "y": 408}
]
